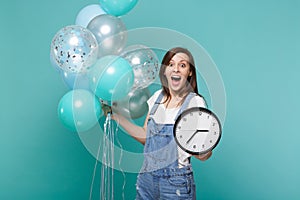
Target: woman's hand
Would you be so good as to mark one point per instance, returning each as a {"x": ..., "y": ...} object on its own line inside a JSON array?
[
  {"x": 115, "y": 117},
  {"x": 204, "y": 157},
  {"x": 137, "y": 132}
]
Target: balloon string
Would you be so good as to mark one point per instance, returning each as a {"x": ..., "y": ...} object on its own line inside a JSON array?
[
  {"x": 93, "y": 179},
  {"x": 94, "y": 171},
  {"x": 103, "y": 187},
  {"x": 120, "y": 159},
  {"x": 105, "y": 179},
  {"x": 111, "y": 142},
  {"x": 103, "y": 170},
  {"x": 107, "y": 169}
]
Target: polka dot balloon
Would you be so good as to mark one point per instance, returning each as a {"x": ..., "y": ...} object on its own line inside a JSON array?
[
  {"x": 144, "y": 62},
  {"x": 74, "y": 49}
]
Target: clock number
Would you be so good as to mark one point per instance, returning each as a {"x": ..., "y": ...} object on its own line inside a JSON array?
[{"x": 197, "y": 130}]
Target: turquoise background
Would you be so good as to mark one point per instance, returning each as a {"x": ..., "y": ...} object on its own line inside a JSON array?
[{"x": 255, "y": 45}]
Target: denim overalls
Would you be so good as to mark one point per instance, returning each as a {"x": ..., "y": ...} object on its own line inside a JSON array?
[{"x": 160, "y": 176}]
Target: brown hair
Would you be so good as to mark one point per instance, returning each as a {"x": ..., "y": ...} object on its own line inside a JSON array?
[{"x": 191, "y": 84}]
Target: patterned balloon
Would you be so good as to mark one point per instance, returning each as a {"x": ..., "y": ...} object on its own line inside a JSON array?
[
  {"x": 74, "y": 49},
  {"x": 144, "y": 62}
]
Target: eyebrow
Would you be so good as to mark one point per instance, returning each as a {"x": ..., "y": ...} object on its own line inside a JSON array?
[{"x": 180, "y": 60}]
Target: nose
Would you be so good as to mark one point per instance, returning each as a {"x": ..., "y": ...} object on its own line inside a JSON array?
[{"x": 176, "y": 68}]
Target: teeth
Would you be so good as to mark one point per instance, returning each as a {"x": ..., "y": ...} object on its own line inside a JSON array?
[{"x": 176, "y": 78}]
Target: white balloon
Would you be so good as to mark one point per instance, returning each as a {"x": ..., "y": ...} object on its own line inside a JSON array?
[{"x": 88, "y": 13}]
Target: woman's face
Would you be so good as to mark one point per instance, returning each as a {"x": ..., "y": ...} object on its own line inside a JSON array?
[{"x": 177, "y": 72}]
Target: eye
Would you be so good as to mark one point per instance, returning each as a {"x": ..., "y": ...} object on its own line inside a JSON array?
[
  {"x": 170, "y": 65},
  {"x": 182, "y": 65}
]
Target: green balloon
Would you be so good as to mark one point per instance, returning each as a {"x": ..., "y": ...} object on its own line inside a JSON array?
[
  {"x": 79, "y": 110},
  {"x": 134, "y": 105},
  {"x": 117, "y": 7},
  {"x": 111, "y": 78}
]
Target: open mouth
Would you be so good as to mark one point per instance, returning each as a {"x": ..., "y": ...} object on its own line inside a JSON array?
[{"x": 176, "y": 78}]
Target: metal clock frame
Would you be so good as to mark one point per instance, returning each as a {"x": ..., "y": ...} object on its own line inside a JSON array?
[{"x": 185, "y": 113}]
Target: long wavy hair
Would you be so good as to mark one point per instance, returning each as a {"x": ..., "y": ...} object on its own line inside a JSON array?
[{"x": 191, "y": 83}]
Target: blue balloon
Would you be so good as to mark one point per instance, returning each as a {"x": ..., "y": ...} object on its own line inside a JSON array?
[
  {"x": 111, "y": 78},
  {"x": 87, "y": 14},
  {"x": 76, "y": 80},
  {"x": 117, "y": 7},
  {"x": 79, "y": 110}
]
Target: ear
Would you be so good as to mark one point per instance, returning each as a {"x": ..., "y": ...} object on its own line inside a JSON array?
[{"x": 191, "y": 73}]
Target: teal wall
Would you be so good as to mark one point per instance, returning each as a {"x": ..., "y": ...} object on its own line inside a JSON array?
[{"x": 256, "y": 46}]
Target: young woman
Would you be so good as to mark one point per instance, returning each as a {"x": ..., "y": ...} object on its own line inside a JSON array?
[{"x": 166, "y": 172}]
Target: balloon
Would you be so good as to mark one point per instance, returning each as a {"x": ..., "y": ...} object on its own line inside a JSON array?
[
  {"x": 134, "y": 105},
  {"x": 110, "y": 33},
  {"x": 76, "y": 80},
  {"x": 72, "y": 80},
  {"x": 87, "y": 14},
  {"x": 117, "y": 7},
  {"x": 144, "y": 62},
  {"x": 74, "y": 48},
  {"x": 111, "y": 78},
  {"x": 54, "y": 64},
  {"x": 79, "y": 110}
]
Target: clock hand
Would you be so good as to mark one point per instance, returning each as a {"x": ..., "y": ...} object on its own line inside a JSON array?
[
  {"x": 194, "y": 129},
  {"x": 195, "y": 134}
]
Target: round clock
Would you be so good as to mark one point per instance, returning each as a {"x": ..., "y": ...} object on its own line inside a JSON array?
[{"x": 197, "y": 130}]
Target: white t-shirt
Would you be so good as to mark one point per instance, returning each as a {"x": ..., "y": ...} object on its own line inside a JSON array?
[{"x": 165, "y": 115}]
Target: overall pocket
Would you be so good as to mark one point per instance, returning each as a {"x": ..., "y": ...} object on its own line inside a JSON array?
[
  {"x": 178, "y": 187},
  {"x": 181, "y": 183}
]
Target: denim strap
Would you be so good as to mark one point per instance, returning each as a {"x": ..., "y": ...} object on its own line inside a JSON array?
[
  {"x": 185, "y": 103},
  {"x": 156, "y": 104},
  {"x": 183, "y": 107}
]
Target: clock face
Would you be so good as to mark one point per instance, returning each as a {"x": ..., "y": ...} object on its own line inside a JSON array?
[{"x": 197, "y": 130}]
